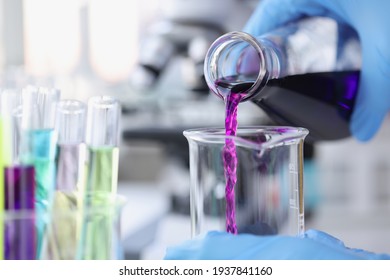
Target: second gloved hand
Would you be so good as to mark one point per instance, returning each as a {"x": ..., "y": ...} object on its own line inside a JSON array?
[
  {"x": 314, "y": 245},
  {"x": 372, "y": 22}
]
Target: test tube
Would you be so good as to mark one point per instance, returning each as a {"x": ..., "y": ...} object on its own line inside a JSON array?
[
  {"x": 102, "y": 142},
  {"x": 38, "y": 147},
  {"x": 5, "y": 159},
  {"x": 102, "y": 176},
  {"x": 71, "y": 116},
  {"x": 19, "y": 184},
  {"x": 66, "y": 211},
  {"x": 11, "y": 102}
]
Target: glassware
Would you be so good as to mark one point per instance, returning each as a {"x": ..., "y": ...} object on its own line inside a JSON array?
[
  {"x": 268, "y": 194},
  {"x": 15, "y": 187},
  {"x": 102, "y": 172},
  {"x": 100, "y": 230},
  {"x": 297, "y": 74},
  {"x": 102, "y": 142},
  {"x": 63, "y": 239},
  {"x": 39, "y": 144},
  {"x": 39, "y": 139},
  {"x": 71, "y": 124},
  {"x": 70, "y": 179},
  {"x": 5, "y": 158}
]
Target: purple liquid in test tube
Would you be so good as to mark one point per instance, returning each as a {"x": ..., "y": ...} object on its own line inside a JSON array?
[
  {"x": 70, "y": 124},
  {"x": 20, "y": 231},
  {"x": 68, "y": 167}
]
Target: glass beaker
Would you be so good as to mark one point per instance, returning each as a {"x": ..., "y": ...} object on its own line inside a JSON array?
[{"x": 268, "y": 193}]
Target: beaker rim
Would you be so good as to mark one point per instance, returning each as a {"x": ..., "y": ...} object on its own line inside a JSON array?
[{"x": 268, "y": 136}]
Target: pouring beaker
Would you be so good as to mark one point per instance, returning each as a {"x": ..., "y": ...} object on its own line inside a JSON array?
[{"x": 268, "y": 194}]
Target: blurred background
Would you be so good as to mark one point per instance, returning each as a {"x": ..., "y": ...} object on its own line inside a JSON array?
[{"x": 149, "y": 54}]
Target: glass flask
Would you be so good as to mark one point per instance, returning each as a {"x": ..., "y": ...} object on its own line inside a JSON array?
[
  {"x": 297, "y": 74},
  {"x": 268, "y": 194}
]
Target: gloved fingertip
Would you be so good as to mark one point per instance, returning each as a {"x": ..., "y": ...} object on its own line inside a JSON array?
[
  {"x": 186, "y": 250},
  {"x": 365, "y": 123},
  {"x": 367, "y": 255},
  {"x": 214, "y": 233},
  {"x": 324, "y": 238}
]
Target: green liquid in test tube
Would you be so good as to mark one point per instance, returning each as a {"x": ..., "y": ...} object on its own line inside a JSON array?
[
  {"x": 102, "y": 171},
  {"x": 101, "y": 178}
]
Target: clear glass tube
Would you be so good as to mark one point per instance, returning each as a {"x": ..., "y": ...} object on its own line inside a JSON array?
[
  {"x": 40, "y": 105},
  {"x": 31, "y": 115},
  {"x": 9, "y": 100},
  {"x": 71, "y": 121},
  {"x": 11, "y": 108},
  {"x": 103, "y": 121},
  {"x": 48, "y": 98}
]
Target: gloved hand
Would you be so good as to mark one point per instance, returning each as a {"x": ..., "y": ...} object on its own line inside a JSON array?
[
  {"x": 313, "y": 244},
  {"x": 372, "y": 22}
]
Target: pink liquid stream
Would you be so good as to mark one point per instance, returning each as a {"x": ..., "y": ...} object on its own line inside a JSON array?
[{"x": 230, "y": 160}]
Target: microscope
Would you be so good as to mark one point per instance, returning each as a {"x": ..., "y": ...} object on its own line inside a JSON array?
[{"x": 186, "y": 29}]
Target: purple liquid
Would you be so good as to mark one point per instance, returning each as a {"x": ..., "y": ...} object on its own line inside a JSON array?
[
  {"x": 20, "y": 231},
  {"x": 337, "y": 89},
  {"x": 304, "y": 100},
  {"x": 68, "y": 167},
  {"x": 230, "y": 160},
  {"x": 233, "y": 91}
]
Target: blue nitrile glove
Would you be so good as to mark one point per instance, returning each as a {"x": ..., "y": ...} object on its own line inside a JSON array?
[
  {"x": 313, "y": 245},
  {"x": 372, "y": 22}
]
